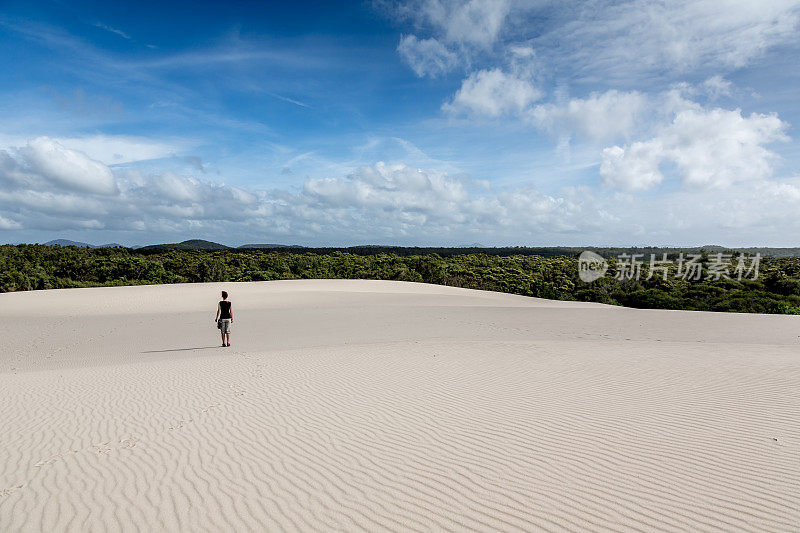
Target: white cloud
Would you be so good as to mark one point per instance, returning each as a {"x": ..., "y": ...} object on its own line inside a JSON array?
[
  {"x": 601, "y": 116},
  {"x": 8, "y": 224},
  {"x": 519, "y": 51},
  {"x": 630, "y": 38},
  {"x": 707, "y": 147},
  {"x": 398, "y": 200},
  {"x": 176, "y": 188},
  {"x": 493, "y": 93},
  {"x": 426, "y": 57},
  {"x": 113, "y": 30},
  {"x": 710, "y": 148},
  {"x": 718, "y": 147},
  {"x": 113, "y": 149},
  {"x": 390, "y": 187},
  {"x": 398, "y": 203},
  {"x": 67, "y": 168},
  {"x": 609, "y": 40},
  {"x": 761, "y": 213},
  {"x": 169, "y": 195},
  {"x": 68, "y": 204},
  {"x": 119, "y": 149},
  {"x": 476, "y": 21},
  {"x": 471, "y": 22},
  {"x": 461, "y": 30},
  {"x": 381, "y": 201},
  {"x": 634, "y": 167},
  {"x": 717, "y": 86}
]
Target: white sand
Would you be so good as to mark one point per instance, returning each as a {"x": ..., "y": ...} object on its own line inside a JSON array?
[{"x": 366, "y": 405}]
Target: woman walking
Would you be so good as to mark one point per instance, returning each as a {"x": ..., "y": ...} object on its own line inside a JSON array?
[{"x": 224, "y": 319}]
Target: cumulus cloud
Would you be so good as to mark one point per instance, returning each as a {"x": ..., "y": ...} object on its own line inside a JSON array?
[
  {"x": 67, "y": 168},
  {"x": 426, "y": 57},
  {"x": 707, "y": 147},
  {"x": 493, "y": 93},
  {"x": 390, "y": 188},
  {"x": 710, "y": 148},
  {"x": 399, "y": 203},
  {"x": 67, "y": 204},
  {"x": 612, "y": 43},
  {"x": 407, "y": 201},
  {"x": 168, "y": 195},
  {"x": 718, "y": 147},
  {"x": 377, "y": 202},
  {"x": 634, "y": 167},
  {"x": 599, "y": 117},
  {"x": 176, "y": 188}
]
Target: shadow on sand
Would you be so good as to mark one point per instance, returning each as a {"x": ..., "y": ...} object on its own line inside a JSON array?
[{"x": 182, "y": 349}]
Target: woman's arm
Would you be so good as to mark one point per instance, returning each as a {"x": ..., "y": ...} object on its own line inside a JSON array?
[
  {"x": 218, "y": 312},
  {"x": 231, "y": 313}
]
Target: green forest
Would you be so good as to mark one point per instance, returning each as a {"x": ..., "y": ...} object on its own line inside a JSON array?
[{"x": 776, "y": 290}]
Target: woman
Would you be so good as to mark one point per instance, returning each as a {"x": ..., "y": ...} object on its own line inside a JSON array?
[{"x": 224, "y": 319}]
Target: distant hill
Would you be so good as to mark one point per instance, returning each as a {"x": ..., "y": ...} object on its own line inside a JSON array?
[
  {"x": 191, "y": 244},
  {"x": 268, "y": 246},
  {"x": 544, "y": 251},
  {"x": 66, "y": 242},
  {"x": 375, "y": 249}
]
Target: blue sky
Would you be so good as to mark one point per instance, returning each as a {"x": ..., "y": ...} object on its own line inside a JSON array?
[{"x": 428, "y": 122}]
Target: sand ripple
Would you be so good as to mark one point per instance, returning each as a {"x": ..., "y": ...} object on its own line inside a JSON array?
[{"x": 478, "y": 429}]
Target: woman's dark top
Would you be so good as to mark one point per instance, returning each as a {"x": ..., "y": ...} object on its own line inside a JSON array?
[{"x": 225, "y": 309}]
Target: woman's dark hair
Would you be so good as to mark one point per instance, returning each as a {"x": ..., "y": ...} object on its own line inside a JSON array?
[{"x": 224, "y": 295}]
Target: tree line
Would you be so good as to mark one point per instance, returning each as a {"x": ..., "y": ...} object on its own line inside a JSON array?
[{"x": 36, "y": 267}]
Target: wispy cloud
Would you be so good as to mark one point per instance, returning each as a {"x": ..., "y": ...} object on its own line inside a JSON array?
[
  {"x": 290, "y": 100},
  {"x": 112, "y": 30},
  {"x": 605, "y": 39},
  {"x": 427, "y": 57}
]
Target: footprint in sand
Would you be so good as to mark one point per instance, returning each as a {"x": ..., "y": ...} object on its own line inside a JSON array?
[
  {"x": 180, "y": 424},
  {"x": 101, "y": 448},
  {"x": 53, "y": 458},
  {"x": 210, "y": 407},
  {"x": 9, "y": 490},
  {"x": 127, "y": 444}
]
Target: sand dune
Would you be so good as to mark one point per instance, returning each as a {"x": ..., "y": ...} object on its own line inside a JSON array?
[{"x": 366, "y": 405}]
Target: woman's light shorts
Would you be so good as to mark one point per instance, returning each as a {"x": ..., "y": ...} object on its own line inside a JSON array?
[{"x": 225, "y": 325}]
